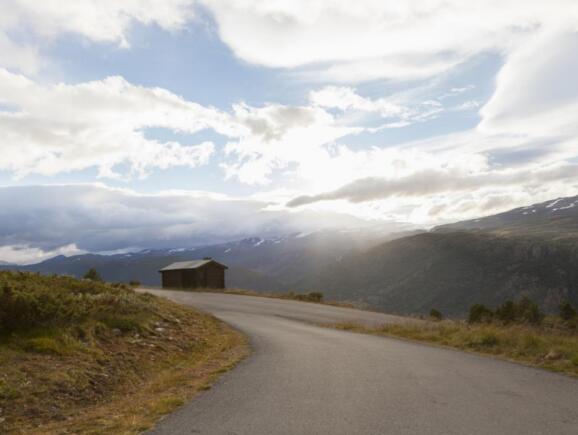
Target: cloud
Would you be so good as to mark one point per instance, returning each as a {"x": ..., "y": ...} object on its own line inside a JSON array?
[
  {"x": 60, "y": 128},
  {"x": 432, "y": 182},
  {"x": 536, "y": 92},
  {"x": 276, "y": 136},
  {"x": 396, "y": 113},
  {"x": 50, "y": 129},
  {"x": 24, "y": 254},
  {"x": 38, "y": 221},
  {"x": 343, "y": 42},
  {"x": 345, "y": 98},
  {"x": 107, "y": 21}
]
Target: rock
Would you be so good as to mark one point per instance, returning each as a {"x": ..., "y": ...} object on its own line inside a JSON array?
[
  {"x": 159, "y": 329},
  {"x": 553, "y": 356},
  {"x": 116, "y": 332}
]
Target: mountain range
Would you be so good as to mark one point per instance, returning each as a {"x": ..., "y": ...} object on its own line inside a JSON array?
[{"x": 529, "y": 251}]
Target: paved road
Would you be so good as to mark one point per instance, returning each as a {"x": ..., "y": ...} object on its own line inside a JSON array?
[{"x": 304, "y": 379}]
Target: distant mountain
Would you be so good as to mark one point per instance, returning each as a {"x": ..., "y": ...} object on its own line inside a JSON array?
[
  {"x": 452, "y": 271},
  {"x": 273, "y": 264},
  {"x": 558, "y": 217},
  {"x": 529, "y": 251}
]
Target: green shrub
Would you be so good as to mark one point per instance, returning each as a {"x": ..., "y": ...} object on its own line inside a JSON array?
[
  {"x": 435, "y": 314},
  {"x": 30, "y": 301},
  {"x": 134, "y": 283},
  {"x": 315, "y": 296},
  {"x": 44, "y": 345},
  {"x": 567, "y": 311},
  {"x": 489, "y": 339},
  {"x": 123, "y": 323},
  {"x": 506, "y": 312},
  {"x": 92, "y": 275},
  {"x": 8, "y": 392},
  {"x": 527, "y": 311},
  {"x": 479, "y": 313}
]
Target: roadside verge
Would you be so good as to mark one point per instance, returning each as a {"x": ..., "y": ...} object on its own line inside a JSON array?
[{"x": 90, "y": 358}]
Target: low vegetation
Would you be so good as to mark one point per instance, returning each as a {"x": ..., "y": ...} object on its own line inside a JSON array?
[
  {"x": 315, "y": 297},
  {"x": 82, "y": 356},
  {"x": 525, "y": 311},
  {"x": 514, "y": 331},
  {"x": 304, "y": 297}
]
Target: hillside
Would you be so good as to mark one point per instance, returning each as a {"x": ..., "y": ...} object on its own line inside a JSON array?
[
  {"x": 526, "y": 251},
  {"x": 555, "y": 218},
  {"x": 269, "y": 265},
  {"x": 452, "y": 271},
  {"x": 79, "y": 356}
]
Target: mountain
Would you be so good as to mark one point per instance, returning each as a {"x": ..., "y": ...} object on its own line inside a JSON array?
[
  {"x": 556, "y": 218},
  {"x": 452, "y": 271},
  {"x": 262, "y": 264},
  {"x": 530, "y": 251}
]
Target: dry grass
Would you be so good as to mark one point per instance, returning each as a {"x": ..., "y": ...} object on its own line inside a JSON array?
[
  {"x": 548, "y": 348},
  {"x": 137, "y": 406},
  {"x": 118, "y": 365},
  {"x": 302, "y": 297}
]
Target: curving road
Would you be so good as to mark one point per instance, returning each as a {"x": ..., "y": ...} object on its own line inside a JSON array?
[{"x": 305, "y": 379}]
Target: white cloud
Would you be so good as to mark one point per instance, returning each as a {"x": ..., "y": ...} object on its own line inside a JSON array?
[
  {"x": 345, "y": 98},
  {"x": 59, "y": 128},
  {"x": 44, "y": 220},
  {"x": 431, "y": 182},
  {"x": 529, "y": 123},
  {"x": 25, "y": 254},
  {"x": 371, "y": 39},
  {"x": 97, "y": 20},
  {"x": 396, "y": 112},
  {"x": 536, "y": 92},
  {"x": 277, "y": 136}
]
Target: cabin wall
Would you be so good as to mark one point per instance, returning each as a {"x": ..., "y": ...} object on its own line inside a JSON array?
[
  {"x": 214, "y": 276},
  {"x": 190, "y": 278},
  {"x": 210, "y": 276},
  {"x": 172, "y": 279}
]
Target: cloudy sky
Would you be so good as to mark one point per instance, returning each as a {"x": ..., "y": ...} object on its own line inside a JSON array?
[{"x": 127, "y": 124}]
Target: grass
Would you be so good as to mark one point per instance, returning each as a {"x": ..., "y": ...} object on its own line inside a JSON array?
[
  {"x": 84, "y": 357},
  {"x": 547, "y": 347},
  {"x": 313, "y": 297}
]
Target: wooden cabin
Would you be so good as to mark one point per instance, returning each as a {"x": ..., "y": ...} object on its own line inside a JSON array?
[{"x": 205, "y": 273}]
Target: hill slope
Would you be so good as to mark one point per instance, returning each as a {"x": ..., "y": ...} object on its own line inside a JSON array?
[
  {"x": 271, "y": 265},
  {"x": 529, "y": 251},
  {"x": 526, "y": 251},
  {"x": 452, "y": 271},
  {"x": 555, "y": 218},
  {"x": 78, "y": 356}
]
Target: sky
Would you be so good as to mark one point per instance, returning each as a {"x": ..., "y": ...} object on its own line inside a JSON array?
[{"x": 133, "y": 124}]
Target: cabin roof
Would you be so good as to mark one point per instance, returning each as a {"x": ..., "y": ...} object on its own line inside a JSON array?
[{"x": 192, "y": 264}]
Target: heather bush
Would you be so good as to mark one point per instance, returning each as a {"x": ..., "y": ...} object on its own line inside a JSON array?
[
  {"x": 32, "y": 301},
  {"x": 479, "y": 313},
  {"x": 92, "y": 275},
  {"x": 567, "y": 311},
  {"x": 435, "y": 314}
]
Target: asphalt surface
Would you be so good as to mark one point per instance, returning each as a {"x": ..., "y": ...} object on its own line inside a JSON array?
[{"x": 305, "y": 379}]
